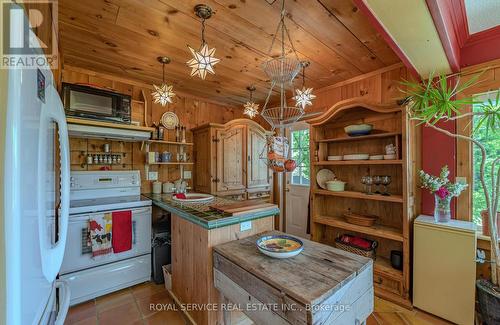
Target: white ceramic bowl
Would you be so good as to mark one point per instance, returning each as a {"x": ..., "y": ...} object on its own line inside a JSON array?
[
  {"x": 389, "y": 157},
  {"x": 195, "y": 198},
  {"x": 279, "y": 252},
  {"x": 335, "y": 186}
]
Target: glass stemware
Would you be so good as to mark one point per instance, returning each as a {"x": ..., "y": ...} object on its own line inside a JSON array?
[
  {"x": 377, "y": 180},
  {"x": 367, "y": 181},
  {"x": 385, "y": 181}
]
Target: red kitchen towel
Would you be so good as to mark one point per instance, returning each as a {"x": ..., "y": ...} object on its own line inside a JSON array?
[{"x": 122, "y": 231}]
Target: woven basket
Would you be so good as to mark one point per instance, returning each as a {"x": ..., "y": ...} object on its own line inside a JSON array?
[{"x": 371, "y": 253}]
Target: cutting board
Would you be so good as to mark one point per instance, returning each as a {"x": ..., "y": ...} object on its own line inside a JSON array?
[{"x": 243, "y": 207}]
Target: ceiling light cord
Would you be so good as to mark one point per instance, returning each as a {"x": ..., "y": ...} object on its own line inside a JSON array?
[
  {"x": 203, "y": 42},
  {"x": 163, "y": 75}
]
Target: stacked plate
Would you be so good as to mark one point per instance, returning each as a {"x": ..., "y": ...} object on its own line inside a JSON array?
[
  {"x": 334, "y": 158},
  {"x": 359, "y": 156}
]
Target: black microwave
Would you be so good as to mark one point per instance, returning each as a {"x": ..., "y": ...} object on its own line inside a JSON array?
[{"x": 96, "y": 104}]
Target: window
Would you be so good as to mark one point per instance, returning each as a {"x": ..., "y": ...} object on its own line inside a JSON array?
[
  {"x": 300, "y": 153},
  {"x": 492, "y": 145}
]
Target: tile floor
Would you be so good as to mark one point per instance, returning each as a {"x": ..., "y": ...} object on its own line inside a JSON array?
[{"x": 131, "y": 306}]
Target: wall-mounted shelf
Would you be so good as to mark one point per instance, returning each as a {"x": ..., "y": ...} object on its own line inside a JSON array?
[
  {"x": 173, "y": 163},
  {"x": 375, "y": 230},
  {"x": 357, "y": 162},
  {"x": 174, "y": 143},
  {"x": 80, "y": 121},
  {"x": 360, "y": 195}
]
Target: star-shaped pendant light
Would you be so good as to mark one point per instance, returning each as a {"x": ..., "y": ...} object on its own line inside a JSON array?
[
  {"x": 203, "y": 61},
  {"x": 303, "y": 97},
  {"x": 251, "y": 109},
  {"x": 163, "y": 94}
]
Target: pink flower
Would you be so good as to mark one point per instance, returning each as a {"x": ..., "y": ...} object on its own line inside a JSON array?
[{"x": 442, "y": 192}]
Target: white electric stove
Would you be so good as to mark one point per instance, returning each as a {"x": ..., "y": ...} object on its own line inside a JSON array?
[{"x": 99, "y": 192}]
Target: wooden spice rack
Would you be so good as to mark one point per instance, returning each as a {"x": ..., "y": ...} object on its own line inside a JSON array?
[{"x": 392, "y": 228}]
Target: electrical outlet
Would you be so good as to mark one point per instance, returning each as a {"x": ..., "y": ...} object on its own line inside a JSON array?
[
  {"x": 244, "y": 226},
  {"x": 187, "y": 174},
  {"x": 153, "y": 176}
]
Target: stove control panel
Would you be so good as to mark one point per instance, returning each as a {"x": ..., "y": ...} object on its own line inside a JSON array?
[{"x": 88, "y": 180}]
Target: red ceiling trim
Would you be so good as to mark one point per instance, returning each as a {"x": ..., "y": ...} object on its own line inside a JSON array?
[
  {"x": 444, "y": 20},
  {"x": 386, "y": 36},
  {"x": 462, "y": 49}
]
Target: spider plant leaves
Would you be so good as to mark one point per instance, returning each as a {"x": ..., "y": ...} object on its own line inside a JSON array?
[
  {"x": 490, "y": 115},
  {"x": 436, "y": 98}
]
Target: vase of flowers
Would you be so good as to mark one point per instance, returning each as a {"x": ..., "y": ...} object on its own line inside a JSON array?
[{"x": 443, "y": 191}]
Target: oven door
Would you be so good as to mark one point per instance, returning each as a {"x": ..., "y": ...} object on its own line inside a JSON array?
[{"x": 78, "y": 255}]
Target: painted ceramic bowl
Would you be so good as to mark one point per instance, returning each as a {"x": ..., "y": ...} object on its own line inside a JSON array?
[
  {"x": 280, "y": 246},
  {"x": 358, "y": 129}
]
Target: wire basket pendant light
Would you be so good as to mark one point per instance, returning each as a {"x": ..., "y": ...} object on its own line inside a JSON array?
[
  {"x": 281, "y": 71},
  {"x": 203, "y": 61},
  {"x": 164, "y": 93}
]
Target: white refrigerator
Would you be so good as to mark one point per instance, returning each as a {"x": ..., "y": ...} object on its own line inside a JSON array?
[{"x": 34, "y": 159}]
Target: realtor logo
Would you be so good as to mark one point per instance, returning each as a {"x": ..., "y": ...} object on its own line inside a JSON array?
[{"x": 28, "y": 35}]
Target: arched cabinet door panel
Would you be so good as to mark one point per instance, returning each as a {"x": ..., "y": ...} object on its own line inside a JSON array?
[
  {"x": 257, "y": 170},
  {"x": 231, "y": 155}
]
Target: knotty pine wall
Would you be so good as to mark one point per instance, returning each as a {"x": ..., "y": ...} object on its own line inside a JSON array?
[{"x": 191, "y": 111}]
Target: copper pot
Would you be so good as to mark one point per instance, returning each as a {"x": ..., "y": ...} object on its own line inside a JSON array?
[{"x": 486, "y": 222}]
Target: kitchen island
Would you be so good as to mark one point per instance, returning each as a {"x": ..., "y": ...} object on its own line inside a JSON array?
[{"x": 196, "y": 229}]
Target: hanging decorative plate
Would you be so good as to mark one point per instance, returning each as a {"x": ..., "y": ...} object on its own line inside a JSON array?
[
  {"x": 323, "y": 176},
  {"x": 280, "y": 246},
  {"x": 169, "y": 120}
]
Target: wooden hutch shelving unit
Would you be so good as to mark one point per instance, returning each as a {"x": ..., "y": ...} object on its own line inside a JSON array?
[{"x": 392, "y": 229}]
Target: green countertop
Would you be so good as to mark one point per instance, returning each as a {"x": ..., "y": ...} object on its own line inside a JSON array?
[{"x": 202, "y": 215}]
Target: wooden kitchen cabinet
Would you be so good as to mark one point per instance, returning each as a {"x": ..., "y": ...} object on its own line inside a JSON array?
[{"x": 228, "y": 160}]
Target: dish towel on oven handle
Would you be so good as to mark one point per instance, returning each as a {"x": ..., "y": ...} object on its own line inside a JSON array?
[
  {"x": 122, "y": 231},
  {"x": 100, "y": 227}
]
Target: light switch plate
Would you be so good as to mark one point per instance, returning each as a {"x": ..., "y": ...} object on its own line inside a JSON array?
[
  {"x": 153, "y": 176},
  {"x": 244, "y": 226},
  {"x": 461, "y": 179},
  {"x": 187, "y": 174}
]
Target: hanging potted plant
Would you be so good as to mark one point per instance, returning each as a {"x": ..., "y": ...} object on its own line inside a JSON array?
[
  {"x": 435, "y": 100},
  {"x": 443, "y": 191}
]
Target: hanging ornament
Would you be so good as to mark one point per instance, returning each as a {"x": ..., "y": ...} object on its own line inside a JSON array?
[
  {"x": 163, "y": 94},
  {"x": 203, "y": 61},
  {"x": 303, "y": 97},
  {"x": 251, "y": 109}
]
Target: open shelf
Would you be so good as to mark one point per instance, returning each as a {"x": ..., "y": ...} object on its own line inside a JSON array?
[
  {"x": 361, "y": 137},
  {"x": 383, "y": 265},
  {"x": 359, "y": 195},
  {"x": 357, "y": 162},
  {"x": 171, "y": 142},
  {"x": 171, "y": 163},
  {"x": 375, "y": 230}
]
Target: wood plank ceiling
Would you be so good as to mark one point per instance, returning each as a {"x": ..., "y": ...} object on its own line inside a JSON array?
[{"x": 124, "y": 38}]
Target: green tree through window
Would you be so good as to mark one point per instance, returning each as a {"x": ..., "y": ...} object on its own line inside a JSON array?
[{"x": 492, "y": 146}]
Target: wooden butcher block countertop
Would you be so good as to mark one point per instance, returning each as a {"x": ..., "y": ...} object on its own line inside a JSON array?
[{"x": 319, "y": 275}]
